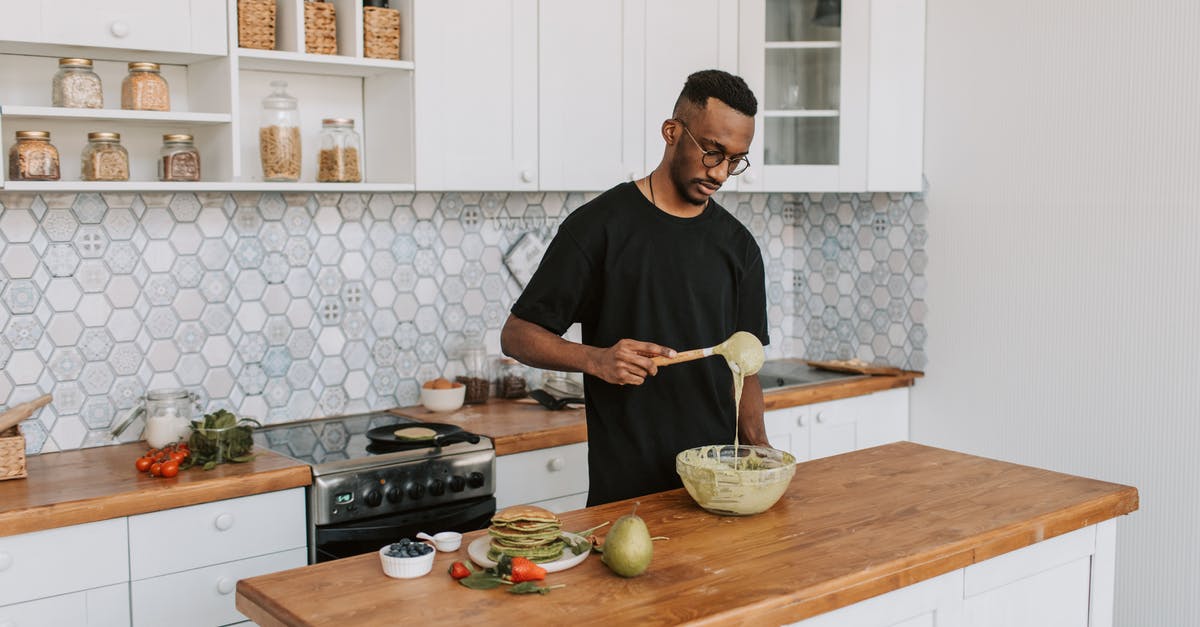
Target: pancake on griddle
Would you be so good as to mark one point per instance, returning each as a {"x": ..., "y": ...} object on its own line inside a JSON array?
[{"x": 526, "y": 531}]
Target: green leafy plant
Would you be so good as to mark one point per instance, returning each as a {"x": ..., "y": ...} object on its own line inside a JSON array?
[{"x": 221, "y": 437}]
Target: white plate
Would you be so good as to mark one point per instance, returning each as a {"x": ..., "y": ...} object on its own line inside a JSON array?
[{"x": 478, "y": 550}]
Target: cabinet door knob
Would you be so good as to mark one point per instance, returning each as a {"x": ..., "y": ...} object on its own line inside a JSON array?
[
  {"x": 799, "y": 421},
  {"x": 6, "y": 560},
  {"x": 820, "y": 417},
  {"x": 527, "y": 176},
  {"x": 223, "y": 522},
  {"x": 748, "y": 175},
  {"x": 556, "y": 464},
  {"x": 118, "y": 29},
  {"x": 225, "y": 585}
]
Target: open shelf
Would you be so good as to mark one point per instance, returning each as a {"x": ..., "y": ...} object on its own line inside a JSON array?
[
  {"x": 800, "y": 113},
  {"x": 122, "y": 115},
  {"x": 214, "y": 186},
  {"x": 328, "y": 64}
]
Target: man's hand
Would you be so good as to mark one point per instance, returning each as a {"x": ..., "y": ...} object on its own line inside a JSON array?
[{"x": 628, "y": 362}]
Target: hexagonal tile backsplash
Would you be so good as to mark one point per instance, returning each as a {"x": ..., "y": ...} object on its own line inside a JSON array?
[{"x": 294, "y": 306}]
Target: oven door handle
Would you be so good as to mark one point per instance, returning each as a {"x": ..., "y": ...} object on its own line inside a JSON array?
[{"x": 452, "y": 438}]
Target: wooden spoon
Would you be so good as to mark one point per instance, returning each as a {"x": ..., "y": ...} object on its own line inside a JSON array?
[
  {"x": 14, "y": 415},
  {"x": 741, "y": 338}
]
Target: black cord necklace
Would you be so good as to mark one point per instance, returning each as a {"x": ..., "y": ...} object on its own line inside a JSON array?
[{"x": 650, "y": 184}]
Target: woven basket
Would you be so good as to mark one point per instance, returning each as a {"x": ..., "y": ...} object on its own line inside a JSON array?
[
  {"x": 12, "y": 454},
  {"x": 256, "y": 24},
  {"x": 381, "y": 33},
  {"x": 320, "y": 28}
]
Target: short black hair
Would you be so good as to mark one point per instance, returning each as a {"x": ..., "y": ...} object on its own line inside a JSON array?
[{"x": 723, "y": 86}]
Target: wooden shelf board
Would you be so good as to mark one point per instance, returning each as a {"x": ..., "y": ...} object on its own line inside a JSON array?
[
  {"x": 304, "y": 63},
  {"x": 202, "y": 186},
  {"x": 137, "y": 117},
  {"x": 801, "y": 113}
]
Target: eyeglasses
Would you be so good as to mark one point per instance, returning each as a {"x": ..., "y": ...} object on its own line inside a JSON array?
[{"x": 714, "y": 158}]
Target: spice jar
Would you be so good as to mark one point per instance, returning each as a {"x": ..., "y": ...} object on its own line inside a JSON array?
[
  {"x": 33, "y": 157},
  {"x": 475, "y": 375},
  {"x": 76, "y": 85},
  {"x": 510, "y": 379},
  {"x": 279, "y": 135},
  {"x": 104, "y": 158},
  {"x": 338, "y": 161},
  {"x": 144, "y": 89},
  {"x": 178, "y": 160}
]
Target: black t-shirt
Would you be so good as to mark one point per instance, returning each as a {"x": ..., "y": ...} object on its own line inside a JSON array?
[{"x": 625, "y": 269}]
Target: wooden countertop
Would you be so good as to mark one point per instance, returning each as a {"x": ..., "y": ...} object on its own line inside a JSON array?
[
  {"x": 850, "y": 527},
  {"x": 524, "y": 425},
  {"x": 87, "y": 485}
]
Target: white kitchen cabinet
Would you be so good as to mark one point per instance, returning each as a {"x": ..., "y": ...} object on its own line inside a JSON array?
[
  {"x": 98, "y": 607},
  {"x": 179, "y": 26},
  {"x": 555, "y": 478},
  {"x": 934, "y": 602},
  {"x": 216, "y": 89},
  {"x": 834, "y": 427},
  {"x": 476, "y": 94},
  {"x": 840, "y": 106},
  {"x": 58, "y": 561},
  {"x": 225, "y": 541}
]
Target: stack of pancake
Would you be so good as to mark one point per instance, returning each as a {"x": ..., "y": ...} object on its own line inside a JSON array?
[{"x": 526, "y": 531}]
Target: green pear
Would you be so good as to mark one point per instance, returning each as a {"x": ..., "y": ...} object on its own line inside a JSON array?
[{"x": 628, "y": 548}]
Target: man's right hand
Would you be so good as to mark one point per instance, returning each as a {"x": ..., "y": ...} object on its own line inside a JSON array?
[{"x": 628, "y": 362}]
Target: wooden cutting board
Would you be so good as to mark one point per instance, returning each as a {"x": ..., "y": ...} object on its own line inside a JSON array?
[{"x": 855, "y": 366}]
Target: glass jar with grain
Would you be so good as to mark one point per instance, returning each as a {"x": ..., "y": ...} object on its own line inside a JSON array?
[
  {"x": 178, "y": 160},
  {"x": 279, "y": 135},
  {"x": 33, "y": 157},
  {"x": 144, "y": 89},
  {"x": 104, "y": 158},
  {"x": 338, "y": 161},
  {"x": 75, "y": 85}
]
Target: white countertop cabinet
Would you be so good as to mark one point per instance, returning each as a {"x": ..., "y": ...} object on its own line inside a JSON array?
[
  {"x": 834, "y": 427},
  {"x": 216, "y": 89}
]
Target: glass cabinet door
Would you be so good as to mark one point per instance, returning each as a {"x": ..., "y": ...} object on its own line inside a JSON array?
[{"x": 801, "y": 96}]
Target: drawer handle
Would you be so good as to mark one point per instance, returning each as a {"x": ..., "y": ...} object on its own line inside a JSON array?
[
  {"x": 223, "y": 522},
  {"x": 820, "y": 417},
  {"x": 527, "y": 176},
  {"x": 799, "y": 421},
  {"x": 225, "y": 585},
  {"x": 556, "y": 464},
  {"x": 118, "y": 29},
  {"x": 6, "y": 560}
]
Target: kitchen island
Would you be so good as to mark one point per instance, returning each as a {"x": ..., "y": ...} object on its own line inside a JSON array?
[{"x": 878, "y": 536}]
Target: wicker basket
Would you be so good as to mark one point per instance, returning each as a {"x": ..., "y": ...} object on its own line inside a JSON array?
[
  {"x": 12, "y": 454},
  {"x": 381, "y": 33},
  {"x": 256, "y": 24},
  {"x": 320, "y": 28}
]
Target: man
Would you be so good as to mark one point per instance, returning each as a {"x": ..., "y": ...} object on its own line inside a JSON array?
[{"x": 649, "y": 267}]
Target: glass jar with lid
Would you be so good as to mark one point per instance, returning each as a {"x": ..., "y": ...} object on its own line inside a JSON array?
[
  {"x": 33, "y": 157},
  {"x": 476, "y": 371},
  {"x": 104, "y": 158},
  {"x": 144, "y": 88},
  {"x": 75, "y": 85},
  {"x": 339, "y": 158},
  {"x": 178, "y": 160},
  {"x": 279, "y": 135},
  {"x": 510, "y": 379}
]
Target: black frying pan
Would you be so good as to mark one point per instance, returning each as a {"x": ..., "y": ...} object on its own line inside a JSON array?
[{"x": 385, "y": 436}]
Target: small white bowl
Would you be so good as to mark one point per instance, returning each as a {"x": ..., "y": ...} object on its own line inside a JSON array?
[
  {"x": 443, "y": 400},
  {"x": 445, "y": 541},
  {"x": 406, "y": 567}
]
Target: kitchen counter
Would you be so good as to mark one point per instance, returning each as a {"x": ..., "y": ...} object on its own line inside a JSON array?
[
  {"x": 87, "y": 485},
  {"x": 850, "y": 527},
  {"x": 524, "y": 425}
]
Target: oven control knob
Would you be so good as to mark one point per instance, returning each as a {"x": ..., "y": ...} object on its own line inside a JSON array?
[
  {"x": 437, "y": 487},
  {"x": 416, "y": 491},
  {"x": 475, "y": 480},
  {"x": 373, "y": 498},
  {"x": 395, "y": 494},
  {"x": 457, "y": 483}
]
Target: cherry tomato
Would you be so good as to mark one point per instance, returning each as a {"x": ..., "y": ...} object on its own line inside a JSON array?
[
  {"x": 178, "y": 456},
  {"x": 156, "y": 469},
  {"x": 143, "y": 464},
  {"x": 153, "y": 452},
  {"x": 170, "y": 469}
]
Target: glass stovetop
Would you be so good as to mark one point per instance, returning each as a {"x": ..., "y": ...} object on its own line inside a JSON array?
[{"x": 325, "y": 439}]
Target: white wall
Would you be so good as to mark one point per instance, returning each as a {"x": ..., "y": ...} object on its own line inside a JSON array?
[{"x": 1063, "y": 159}]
